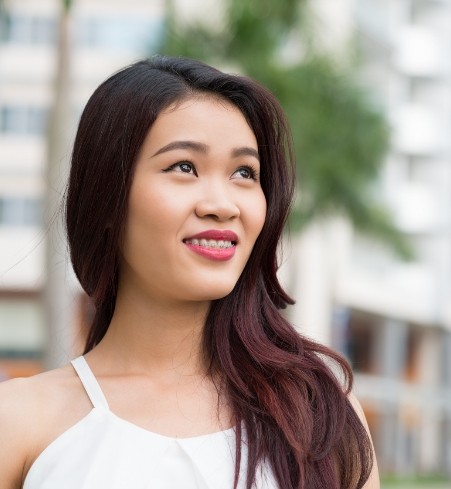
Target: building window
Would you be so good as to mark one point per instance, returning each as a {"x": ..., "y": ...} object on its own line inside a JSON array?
[
  {"x": 361, "y": 338},
  {"x": 123, "y": 34},
  {"x": 22, "y": 335},
  {"x": 26, "y": 29},
  {"x": 16, "y": 119},
  {"x": 19, "y": 211}
]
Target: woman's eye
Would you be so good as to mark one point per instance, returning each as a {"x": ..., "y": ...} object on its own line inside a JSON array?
[
  {"x": 185, "y": 167},
  {"x": 182, "y": 167},
  {"x": 246, "y": 172}
]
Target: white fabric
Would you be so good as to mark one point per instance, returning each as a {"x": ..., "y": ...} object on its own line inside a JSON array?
[{"x": 103, "y": 451}]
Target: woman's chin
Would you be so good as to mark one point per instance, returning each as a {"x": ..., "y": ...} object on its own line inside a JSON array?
[{"x": 213, "y": 293}]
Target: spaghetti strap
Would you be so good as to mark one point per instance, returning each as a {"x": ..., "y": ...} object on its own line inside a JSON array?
[{"x": 90, "y": 383}]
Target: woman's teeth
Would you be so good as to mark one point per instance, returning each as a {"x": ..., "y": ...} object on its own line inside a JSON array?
[{"x": 210, "y": 243}]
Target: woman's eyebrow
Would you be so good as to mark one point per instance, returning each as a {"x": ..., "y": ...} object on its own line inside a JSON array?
[
  {"x": 203, "y": 148},
  {"x": 193, "y": 145},
  {"x": 245, "y": 151}
]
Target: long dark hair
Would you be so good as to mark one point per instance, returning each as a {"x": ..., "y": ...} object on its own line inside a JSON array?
[{"x": 295, "y": 410}]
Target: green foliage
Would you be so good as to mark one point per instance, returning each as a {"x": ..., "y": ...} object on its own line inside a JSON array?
[
  {"x": 67, "y": 5},
  {"x": 340, "y": 139},
  {"x": 423, "y": 482}
]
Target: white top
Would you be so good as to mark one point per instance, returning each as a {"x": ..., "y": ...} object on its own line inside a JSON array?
[{"x": 103, "y": 451}]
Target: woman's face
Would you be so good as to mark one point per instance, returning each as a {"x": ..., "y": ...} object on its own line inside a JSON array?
[{"x": 196, "y": 206}]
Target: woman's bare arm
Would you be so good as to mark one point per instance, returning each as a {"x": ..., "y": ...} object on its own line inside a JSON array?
[
  {"x": 373, "y": 481},
  {"x": 16, "y": 431}
]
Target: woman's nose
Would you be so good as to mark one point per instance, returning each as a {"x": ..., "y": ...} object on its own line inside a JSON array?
[{"x": 216, "y": 204}]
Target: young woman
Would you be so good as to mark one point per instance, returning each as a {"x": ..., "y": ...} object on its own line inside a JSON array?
[{"x": 181, "y": 182}]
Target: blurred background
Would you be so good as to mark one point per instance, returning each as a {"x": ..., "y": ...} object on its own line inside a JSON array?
[{"x": 366, "y": 85}]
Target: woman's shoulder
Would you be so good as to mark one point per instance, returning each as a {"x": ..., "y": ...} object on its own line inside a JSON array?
[
  {"x": 27, "y": 403},
  {"x": 26, "y": 396},
  {"x": 34, "y": 411},
  {"x": 31, "y": 394}
]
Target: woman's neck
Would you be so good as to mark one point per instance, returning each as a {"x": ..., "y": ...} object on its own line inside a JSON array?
[{"x": 154, "y": 338}]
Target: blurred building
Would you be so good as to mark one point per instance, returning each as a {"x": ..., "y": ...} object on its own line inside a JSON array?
[
  {"x": 104, "y": 36},
  {"x": 392, "y": 318}
]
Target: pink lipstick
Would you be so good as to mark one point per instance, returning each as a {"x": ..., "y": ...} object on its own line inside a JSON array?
[{"x": 213, "y": 244}]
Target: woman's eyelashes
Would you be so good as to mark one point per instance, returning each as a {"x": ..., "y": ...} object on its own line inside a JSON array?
[
  {"x": 182, "y": 167},
  {"x": 245, "y": 172}
]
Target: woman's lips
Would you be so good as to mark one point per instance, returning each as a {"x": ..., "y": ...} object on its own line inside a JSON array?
[{"x": 213, "y": 244}]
